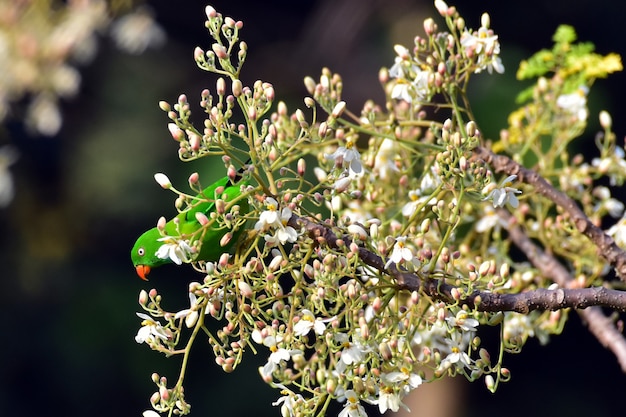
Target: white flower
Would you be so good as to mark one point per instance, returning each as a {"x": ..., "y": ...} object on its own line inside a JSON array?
[
  {"x": 177, "y": 250},
  {"x": 150, "y": 413},
  {"x": 402, "y": 66},
  {"x": 388, "y": 400},
  {"x": 282, "y": 235},
  {"x": 618, "y": 232},
  {"x": 400, "y": 252},
  {"x": 277, "y": 356},
  {"x": 408, "y": 91},
  {"x": 137, "y": 31},
  {"x": 353, "y": 407},
  {"x": 485, "y": 45},
  {"x": 504, "y": 194},
  {"x": 273, "y": 219},
  {"x": 420, "y": 84},
  {"x": 384, "y": 161},
  {"x": 287, "y": 402},
  {"x": 406, "y": 380},
  {"x": 489, "y": 220},
  {"x": 457, "y": 355},
  {"x": 416, "y": 200},
  {"x": 402, "y": 91},
  {"x": 270, "y": 217},
  {"x": 575, "y": 103},
  {"x": 517, "y": 326},
  {"x": 308, "y": 321},
  {"x": 150, "y": 330},
  {"x": 348, "y": 155},
  {"x": 190, "y": 314},
  {"x": 462, "y": 321},
  {"x": 352, "y": 352}
]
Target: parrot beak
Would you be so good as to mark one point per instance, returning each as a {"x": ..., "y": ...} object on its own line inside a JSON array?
[{"x": 142, "y": 271}]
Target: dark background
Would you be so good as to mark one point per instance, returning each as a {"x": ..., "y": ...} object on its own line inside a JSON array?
[{"x": 67, "y": 289}]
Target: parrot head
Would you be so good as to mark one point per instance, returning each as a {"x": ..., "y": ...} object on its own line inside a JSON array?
[{"x": 144, "y": 252}]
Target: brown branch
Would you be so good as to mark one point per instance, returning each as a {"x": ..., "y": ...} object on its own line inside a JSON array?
[
  {"x": 585, "y": 300},
  {"x": 602, "y": 327},
  {"x": 607, "y": 248},
  {"x": 540, "y": 299}
]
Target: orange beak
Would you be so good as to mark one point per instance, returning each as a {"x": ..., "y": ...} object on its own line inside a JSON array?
[{"x": 142, "y": 271}]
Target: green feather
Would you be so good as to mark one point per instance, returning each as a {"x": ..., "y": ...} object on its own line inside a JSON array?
[{"x": 187, "y": 227}]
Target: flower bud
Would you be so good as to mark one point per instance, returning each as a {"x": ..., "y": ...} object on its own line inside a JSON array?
[
  {"x": 605, "y": 119},
  {"x": 490, "y": 383},
  {"x": 210, "y": 12},
  {"x": 162, "y": 180},
  {"x": 430, "y": 26},
  {"x": 220, "y": 51},
  {"x": 202, "y": 218},
  {"x": 198, "y": 54}
]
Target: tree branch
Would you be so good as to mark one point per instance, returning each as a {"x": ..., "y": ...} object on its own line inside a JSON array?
[
  {"x": 602, "y": 327},
  {"x": 540, "y": 299},
  {"x": 607, "y": 248}
]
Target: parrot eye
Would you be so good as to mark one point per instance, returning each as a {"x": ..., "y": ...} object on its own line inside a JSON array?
[{"x": 141, "y": 251}]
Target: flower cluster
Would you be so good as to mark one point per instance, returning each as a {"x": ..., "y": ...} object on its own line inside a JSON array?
[
  {"x": 39, "y": 64},
  {"x": 364, "y": 285}
]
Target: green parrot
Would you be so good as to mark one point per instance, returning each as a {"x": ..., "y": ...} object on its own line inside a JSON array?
[{"x": 144, "y": 252}]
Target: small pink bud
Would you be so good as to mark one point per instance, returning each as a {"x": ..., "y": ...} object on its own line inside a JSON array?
[
  {"x": 339, "y": 108},
  {"x": 162, "y": 180},
  {"x": 430, "y": 26},
  {"x": 402, "y": 51},
  {"x": 383, "y": 75},
  {"x": 301, "y": 167},
  {"x": 164, "y": 393},
  {"x": 164, "y": 105},
  {"x": 143, "y": 297},
  {"x": 210, "y": 12},
  {"x": 176, "y": 132},
  {"x": 226, "y": 239},
  {"x": 194, "y": 142},
  {"x": 605, "y": 119},
  {"x": 237, "y": 88},
  {"x": 245, "y": 289},
  {"x": 490, "y": 383},
  {"x": 194, "y": 178},
  {"x": 223, "y": 261},
  {"x": 323, "y": 129},
  {"x": 252, "y": 114},
  {"x": 220, "y": 86},
  {"x": 202, "y": 218},
  {"x": 282, "y": 109},
  {"x": 269, "y": 92},
  {"x": 229, "y": 22},
  {"x": 161, "y": 223},
  {"x": 154, "y": 399},
  {"x": 441, "y": 7},
  {"x": 220, "y": 50},
  {"x": 198, "y": 54},
  {"x": 232, "y": 173}
]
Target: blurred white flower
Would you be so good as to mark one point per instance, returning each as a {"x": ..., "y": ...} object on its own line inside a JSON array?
[
  {"x": 575, "y": 103},
  {"x": 137, "y": 31},
  {"x": 8, "y": 156}
]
